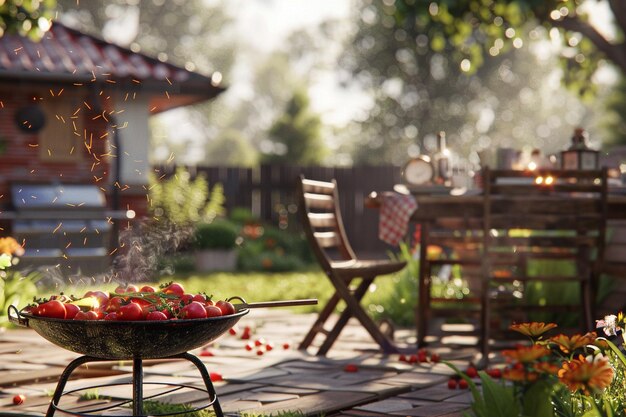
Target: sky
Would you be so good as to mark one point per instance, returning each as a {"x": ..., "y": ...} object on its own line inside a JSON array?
[{"x": 272, "y": 22}]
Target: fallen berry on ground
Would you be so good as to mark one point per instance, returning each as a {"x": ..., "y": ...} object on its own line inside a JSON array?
[{"x": 351, "y": 368}]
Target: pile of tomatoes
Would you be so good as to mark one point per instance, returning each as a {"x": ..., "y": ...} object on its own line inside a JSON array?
[{"x": 169, "y": 302}]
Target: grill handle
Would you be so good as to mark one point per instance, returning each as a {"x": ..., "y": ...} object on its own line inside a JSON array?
[
  {"x": 16, "y": 318},
  {"x": 284, "y": 303}
]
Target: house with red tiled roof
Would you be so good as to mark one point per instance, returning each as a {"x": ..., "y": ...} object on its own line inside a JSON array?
[{"x": 74, "y": 110}]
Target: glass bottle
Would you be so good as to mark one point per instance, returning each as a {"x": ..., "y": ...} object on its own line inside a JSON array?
[{"x": 441, "y": 160}]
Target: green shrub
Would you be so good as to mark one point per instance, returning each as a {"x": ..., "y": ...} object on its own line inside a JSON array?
[
  {"x": 219, "y": 234},
  {"x": 184, "y": 201}
]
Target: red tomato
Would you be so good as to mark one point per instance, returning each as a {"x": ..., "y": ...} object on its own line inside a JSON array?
[
  {"x": 495, "y": 373},
  {"x": 201, "y": 298},
  {"x": 435, "y": 358},
  {"x": 249, "y": 346},
  {"x": 259, "y": 352},
  {"x": 452, "y": 383},
  {"x": 141, "y": 301},
  {"x": 53, "y": 308},
  {"x": 156, "y": 315},
  {"x": 71, "y": 310},
  {"x": 130, "y": 312},
  {"x": 19, "y": 399},
  {"x": 286, "y": 346},
  {"x": 463, "y": 384},
  {"x": 259, "y": 342},
  {"x": 86, "y": 315},
  {"x": 213, "y": 311},
  {"x": 194, "y": 310},
  {"x": 174, "y": 288},
  {"x": 120, "y": 289},
  {"x": 132, "y": 288},
  {"x": 94, "y": 315},
  {"x": 102, "y": 297},
  {"x": 111, "y": 316},
  {"x": 351, "y": 368},
  {"x": 114, "y": 304},
  {"x": 147, "y": 288},
  {"x": 81, "y": 315},
  {"x": 232, "y": 331},
  {"x": 471, "y": 372},
  {"x": 226, "y": 307},
  {"x": 269, "y": 346},
  {"x": 186, "y": 299}
]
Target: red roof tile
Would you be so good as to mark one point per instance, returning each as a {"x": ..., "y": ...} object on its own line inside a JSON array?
[{"x": 66, "y": 55}]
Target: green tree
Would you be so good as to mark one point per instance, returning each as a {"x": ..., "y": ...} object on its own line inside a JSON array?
[
  {"x": 613, "y": 119},
  {"x": 296, "y": 136},
  {"x": 26, "y": 17},
  {"x": 479, "y": 29},
  {"x": 231, "y": 148},
  {"x": 419, "y": 88}
]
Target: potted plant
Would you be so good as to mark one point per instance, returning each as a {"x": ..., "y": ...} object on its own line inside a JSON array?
[{"x": 215, "y": 245}]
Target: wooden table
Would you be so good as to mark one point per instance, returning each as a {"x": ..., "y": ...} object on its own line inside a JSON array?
[
  {"x": 444, "y": 209},
  {"x": 433, "y": 207}
]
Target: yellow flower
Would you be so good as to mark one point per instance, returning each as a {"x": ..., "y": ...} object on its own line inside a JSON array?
[
  {"x": 533, "y": 329},
  {"x": 526, "y": 354},
  {"x": 588, "y": 377},
  {"x": 569, "y": 344}
]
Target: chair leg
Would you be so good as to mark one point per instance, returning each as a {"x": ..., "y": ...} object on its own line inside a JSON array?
[
  {"x": 359, "y": 292},
  {"x": 356, "y": 310},
  {"x": 318, "y": 326},
  {"x": 423, "y": 289},
  {"x": 485, "y": 322}
]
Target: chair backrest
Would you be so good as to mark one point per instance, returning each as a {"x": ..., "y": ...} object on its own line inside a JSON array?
[
  {"x": 321, "y": 218},
  {"x": 548, "y": 214}
]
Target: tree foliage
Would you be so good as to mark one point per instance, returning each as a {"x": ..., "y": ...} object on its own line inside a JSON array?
[
  {"x": 26, "y": 17},
  {"x": 296, "y": 135},
  {"x": 420, "y": 87},
  {"x": 480, "y": 29}
]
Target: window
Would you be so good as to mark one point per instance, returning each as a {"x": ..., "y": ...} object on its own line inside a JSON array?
[{"x": 61, "y": 139}]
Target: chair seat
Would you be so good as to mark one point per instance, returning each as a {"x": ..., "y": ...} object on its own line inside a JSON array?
[{"x": 360, "y": 267}]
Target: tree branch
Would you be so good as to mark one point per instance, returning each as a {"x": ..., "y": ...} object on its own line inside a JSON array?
[
  {"x": 619, "y": 12},
  {"x": 615, "y": 53}
]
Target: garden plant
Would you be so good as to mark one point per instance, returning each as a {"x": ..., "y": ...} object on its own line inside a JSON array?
[{"x": 562, "y": 376}]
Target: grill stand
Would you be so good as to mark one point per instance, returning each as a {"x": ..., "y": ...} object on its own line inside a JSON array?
[{"x": 137, "y": 386}]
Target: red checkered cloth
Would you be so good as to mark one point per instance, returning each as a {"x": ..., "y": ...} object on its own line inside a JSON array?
[{"x": 395, "y": 212}]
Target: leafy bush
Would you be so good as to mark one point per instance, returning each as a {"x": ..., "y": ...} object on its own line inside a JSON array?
[
  {"x": 183, "y": 201},
  {"x": 219, "y": 234},
  {"x": 267, "y": 248}
]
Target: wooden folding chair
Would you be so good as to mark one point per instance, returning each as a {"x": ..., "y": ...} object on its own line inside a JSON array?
[
  {"x": 321, "y": 217},
  {"x": 531, "y": 217}
]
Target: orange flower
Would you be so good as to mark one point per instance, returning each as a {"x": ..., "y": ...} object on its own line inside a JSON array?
[
  {"x": 569, "y": 344},
  {"x": 526, "y": 354},
  {"x": 9, "y": 246},
  {"x": 588, "y": 377},
  {"x": 533, "y": 329},
  {"x": 546, "y": 368},
  {"x": 519, "y": 375}
]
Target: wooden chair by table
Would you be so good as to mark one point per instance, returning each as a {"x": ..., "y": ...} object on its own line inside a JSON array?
[
  {"x": 447, "y": 244},
  {"x": 530, "y": 217},
  {"x": 321, "y": 217}
]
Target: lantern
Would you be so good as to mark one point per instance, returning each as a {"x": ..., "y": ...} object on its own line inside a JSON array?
[{"x": 579, "y": 156}]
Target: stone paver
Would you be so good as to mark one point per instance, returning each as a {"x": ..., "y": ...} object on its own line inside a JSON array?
[{"x": 273, "y": 380}]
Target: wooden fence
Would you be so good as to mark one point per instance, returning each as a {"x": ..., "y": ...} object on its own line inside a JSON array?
[{"x": 269, "y": 192}]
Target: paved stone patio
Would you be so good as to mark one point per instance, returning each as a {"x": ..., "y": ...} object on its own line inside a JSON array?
[{"x": 279, "y": 379}]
